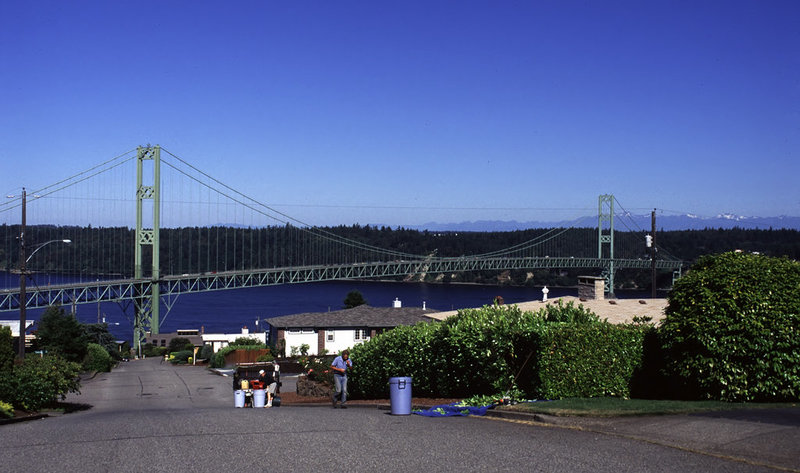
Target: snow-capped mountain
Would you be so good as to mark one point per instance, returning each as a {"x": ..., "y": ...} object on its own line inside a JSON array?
[{"x": 627, "y": 222}]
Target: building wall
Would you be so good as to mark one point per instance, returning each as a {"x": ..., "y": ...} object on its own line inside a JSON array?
[
  {"x": 321, "y": 339},
  {"x": 342, "y": 340},
  {"x": 294, "y": 339},
  {"x": 220, "y": 340}
]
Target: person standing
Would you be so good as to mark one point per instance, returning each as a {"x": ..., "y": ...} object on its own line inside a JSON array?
[
  {"x": 267, "y": 379},
  {"x": 340, "y": 366}
]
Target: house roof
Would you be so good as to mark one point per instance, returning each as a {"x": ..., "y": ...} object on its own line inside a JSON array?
[{"x": 360, "y": 316}]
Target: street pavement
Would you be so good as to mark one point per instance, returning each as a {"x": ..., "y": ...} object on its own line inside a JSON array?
[{"x": 151, "y": 416}]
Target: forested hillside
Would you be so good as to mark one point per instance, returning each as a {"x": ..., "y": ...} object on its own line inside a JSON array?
[{"x": 110, "y": 251}]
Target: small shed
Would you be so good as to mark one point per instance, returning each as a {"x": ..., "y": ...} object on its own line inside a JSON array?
[{"x": 591, "y": 287}]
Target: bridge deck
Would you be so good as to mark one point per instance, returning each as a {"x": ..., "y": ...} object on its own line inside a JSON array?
[{"x": 137, "y": 289}]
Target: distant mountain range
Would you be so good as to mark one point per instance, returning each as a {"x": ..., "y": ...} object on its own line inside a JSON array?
[{"x": 625, "y": 223}]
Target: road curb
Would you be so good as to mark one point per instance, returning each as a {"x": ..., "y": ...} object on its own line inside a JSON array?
[{"x": 14, "y": 420}]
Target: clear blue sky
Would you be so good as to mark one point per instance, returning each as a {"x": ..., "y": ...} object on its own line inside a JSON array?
[{"x": 407, "y": 112}]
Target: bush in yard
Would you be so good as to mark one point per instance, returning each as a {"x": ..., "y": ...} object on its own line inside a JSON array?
[
  {"x": 205, "y": 353},
  {"x": 181, "y": 357},
  {"x": 246, "y": 341},
  {"x": 559, "y": 351},
  {"x": 179, "y": 344},
  {"x": 149, "y": 350},
  {"x": 561, "y": 312},
  {"x": 6, "y": 409},
  {"x": 99, "y": 334},
  {"x": 731, "y": 329},
  {"x": 318, "y": 369},
  {"x": 589, "y": 360},
  {"x": 473, "y": 349},
  {"x": 40, "y": 381},
  {"x": 97, "y": 359},
  {"x": 265, "y": 358},
  {"x": 402, "y": 351}
]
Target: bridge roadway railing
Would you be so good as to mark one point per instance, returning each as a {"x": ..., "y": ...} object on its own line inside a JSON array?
[{"x": 131, "y": 289}]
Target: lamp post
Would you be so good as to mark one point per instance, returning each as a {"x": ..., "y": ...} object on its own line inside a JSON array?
[
  {"x": 22, "y": 296},
  {"x": 23, "y": 274}
]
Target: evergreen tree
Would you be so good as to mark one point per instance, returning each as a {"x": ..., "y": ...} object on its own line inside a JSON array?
[
  {"x": 6, "y": 350},
  {"x": 354, "y": 298},
  {"x": 61, "y": 334}
]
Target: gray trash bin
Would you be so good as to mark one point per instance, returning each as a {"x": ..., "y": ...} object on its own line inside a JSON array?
[{"x": 400, "y": 395}]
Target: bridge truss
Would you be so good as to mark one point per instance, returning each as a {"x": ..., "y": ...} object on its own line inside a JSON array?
[{"x": 169, "y": 287}]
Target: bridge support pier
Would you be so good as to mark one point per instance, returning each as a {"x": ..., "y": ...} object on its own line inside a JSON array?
[
  {"x": 147, "y": 305},
  {"x": 605, "y": 213}
]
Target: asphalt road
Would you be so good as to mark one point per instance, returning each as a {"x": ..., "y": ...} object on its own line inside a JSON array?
[{"x": 149, "y": 416}]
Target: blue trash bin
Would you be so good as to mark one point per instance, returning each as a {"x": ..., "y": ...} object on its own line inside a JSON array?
[
  {"x": 238, "y": 398},
  {"x": 400, "y": 395}
]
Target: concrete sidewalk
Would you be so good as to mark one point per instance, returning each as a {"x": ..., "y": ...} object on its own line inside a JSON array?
[{"x": 766, "y": 437}]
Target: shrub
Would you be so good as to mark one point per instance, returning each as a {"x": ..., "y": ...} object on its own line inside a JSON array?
[
  {"x": 560, "y": 312},
  {"x": 40, "y": 381},
  {"x": 730, "y": 331},
  {"x": 206, "y": 353},
  {"x": 246, "y": 341},
  {"x": 99, "y": 334},
  {"x": 476, "y": 348},
  {"x": 149, "y": 350},
  {"x": 265, "y": 358},
  {"x": 559, "y": 351},
  {"x": 181, "y": 357},
  {"x": 318, "y": 369},
  {"x": 179, "y": 344},
  {"x": 589, "y": 360},
  {"x": 402, "y": 351},
  {"x": 6, "y": 409},
  {"x": 97, "y": 359}
]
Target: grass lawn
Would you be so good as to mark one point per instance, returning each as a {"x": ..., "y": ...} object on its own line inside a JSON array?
[{"x": 614, "y": 407}]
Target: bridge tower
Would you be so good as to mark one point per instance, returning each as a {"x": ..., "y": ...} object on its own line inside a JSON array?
[
  {"x": 147, "y": 304},
  {"x": 605, "y": 213}
]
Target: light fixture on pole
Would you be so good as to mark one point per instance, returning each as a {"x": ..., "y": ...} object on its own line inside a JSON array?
[{"x": 23, "y": 270}]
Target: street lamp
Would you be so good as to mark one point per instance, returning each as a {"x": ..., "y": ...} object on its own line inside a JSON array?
[
  {"x": 22, "y": 274},
  {"x": 39, "y": 247}
]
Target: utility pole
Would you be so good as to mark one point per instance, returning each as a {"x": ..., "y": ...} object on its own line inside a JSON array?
[
  {"x": 653, "y": 255},
  {"x": 23, "y": 302}
]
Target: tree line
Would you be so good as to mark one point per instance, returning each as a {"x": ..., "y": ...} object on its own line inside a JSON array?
[{"x": 110, "y": 250}]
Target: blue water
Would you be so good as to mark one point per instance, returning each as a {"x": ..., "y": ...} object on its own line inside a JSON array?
[{"x": 229, "y": 311}]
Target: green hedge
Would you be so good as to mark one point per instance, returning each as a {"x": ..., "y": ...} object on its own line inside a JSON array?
[
  {"x": 559, "y": 351},
  {"x": 589, "y": 360},
  {"x": 403, "y": 351}
]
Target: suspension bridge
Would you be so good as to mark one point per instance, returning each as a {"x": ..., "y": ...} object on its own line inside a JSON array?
[{"x": 145, "y": 227}]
